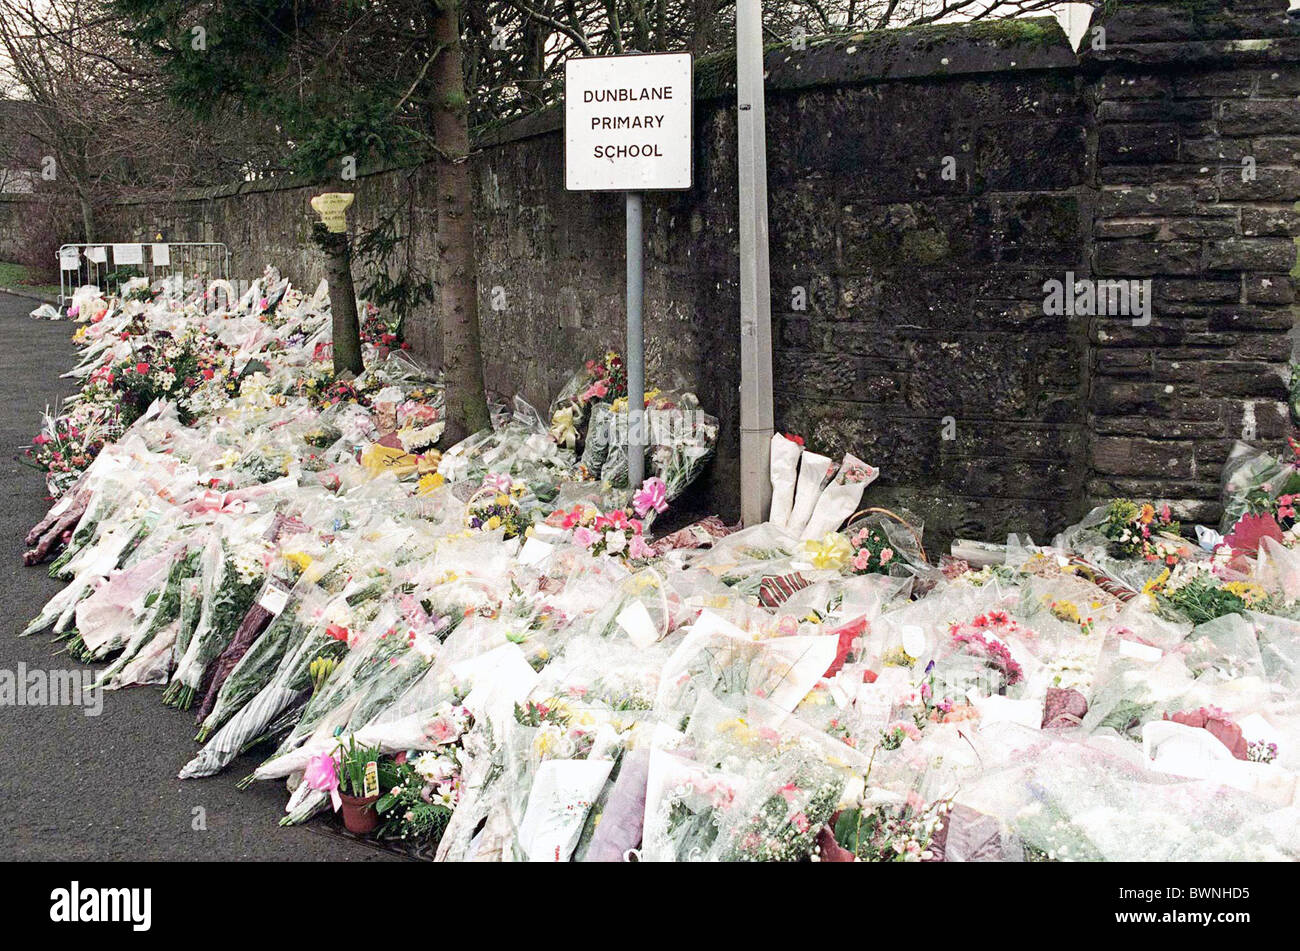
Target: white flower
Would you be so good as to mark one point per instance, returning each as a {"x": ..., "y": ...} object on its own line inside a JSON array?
[{"x": 552, "y": 742}]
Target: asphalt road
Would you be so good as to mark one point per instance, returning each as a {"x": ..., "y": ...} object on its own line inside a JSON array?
[{"x": 80, "y": 788}]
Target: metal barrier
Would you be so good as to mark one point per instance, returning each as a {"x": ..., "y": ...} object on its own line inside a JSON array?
[{"x": 108, "y": 266}]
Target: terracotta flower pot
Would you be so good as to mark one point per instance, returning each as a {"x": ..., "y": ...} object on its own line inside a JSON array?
[{"x": 359, "y": 815}]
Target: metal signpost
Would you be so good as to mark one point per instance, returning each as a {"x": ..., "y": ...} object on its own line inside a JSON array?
[{"x": 627, "y": 127}]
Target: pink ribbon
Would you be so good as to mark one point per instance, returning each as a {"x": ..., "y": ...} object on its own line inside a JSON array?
[{"x": 653, "y": 494}]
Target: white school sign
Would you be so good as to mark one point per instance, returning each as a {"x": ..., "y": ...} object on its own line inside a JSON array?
[{"x": 627, "y": 122}]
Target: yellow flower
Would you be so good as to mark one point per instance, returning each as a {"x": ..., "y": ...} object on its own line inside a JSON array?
[
  {"x": 1065, "y": 611},
  {"x": 897, "y": 657},
  {"x": 494, "y": 522},
  {"x": 1156, "y": 583},
  {"x": 815, "y": 698},
  {"x": 738, "y": 730},
  {"x": 428, "y": 483},
  {"x": 299, "y": 558},
  {"x": 1250, "y": 593}
]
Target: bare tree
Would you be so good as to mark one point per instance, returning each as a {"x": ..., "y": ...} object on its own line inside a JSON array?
[{"x": 98, "y": 127}]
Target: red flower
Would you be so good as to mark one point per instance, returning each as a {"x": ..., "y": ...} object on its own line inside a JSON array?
[
  {"x": 338, "y": 632},
  {"x": 797, "y": 440},
  {"x": 142, "y": 368},
  {"x": 209, "y": 374}
]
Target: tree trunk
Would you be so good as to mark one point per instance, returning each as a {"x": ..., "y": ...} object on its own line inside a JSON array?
[
  {"x": 343, "y": 298},
  {"x": 457, "y": 279},
  {"x": 702, "y": 32},
  {"x": 87, "y": 218}
]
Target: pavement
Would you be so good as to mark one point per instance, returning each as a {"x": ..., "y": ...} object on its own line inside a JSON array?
[{"x": 98, "y": 788}]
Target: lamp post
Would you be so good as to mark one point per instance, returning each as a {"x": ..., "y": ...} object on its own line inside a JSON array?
[{"x": 756, "y": 416}]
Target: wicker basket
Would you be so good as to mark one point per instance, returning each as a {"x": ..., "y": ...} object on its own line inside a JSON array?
[{"x": 916, "y": 536}]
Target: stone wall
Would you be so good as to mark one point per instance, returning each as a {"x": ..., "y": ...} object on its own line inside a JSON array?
[
  {"x": 1198, "y": 136},
  {"x": 924, "y": 187}
]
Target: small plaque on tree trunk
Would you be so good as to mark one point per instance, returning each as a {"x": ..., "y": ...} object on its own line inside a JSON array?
[{"x": 333, "y": 210}]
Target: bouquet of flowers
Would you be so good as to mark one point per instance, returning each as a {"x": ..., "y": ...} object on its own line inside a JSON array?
[
  {"x": 424, "y": 793},
  {"x": 983, "y": 639},
  {"x": 880, "y": 828},
  {"x": 168, "y": 368},
  {"x": 232, "y": 579},
  {"x": 1134, "y": 531},
  {"x": 69, "y": 442},
  {"x": 782, "y": 825},
  {"x": 873, "y": 552},
  {"x": 599, "y": 381},
  {"x": 1258, "y": 483},
  {"x": 1193, "y": 590},
  {"x": 497, "y": 505}
]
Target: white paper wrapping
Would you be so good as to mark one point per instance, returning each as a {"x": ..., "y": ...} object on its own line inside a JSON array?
[{"x": 812, "y": 472}]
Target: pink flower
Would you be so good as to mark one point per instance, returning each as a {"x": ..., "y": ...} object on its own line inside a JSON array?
[
  {"x": 885, "y": 555},
  {"x": 142, "y": 368},
  {"x": 800, "y": 822},
  {"x": 597, "y": 390},
  {"x": 585, "y": 536},
  {"x": 442, "y": 730},
  {"x": 862, "y": 560},
  {"x": 638, "y": 549}
]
